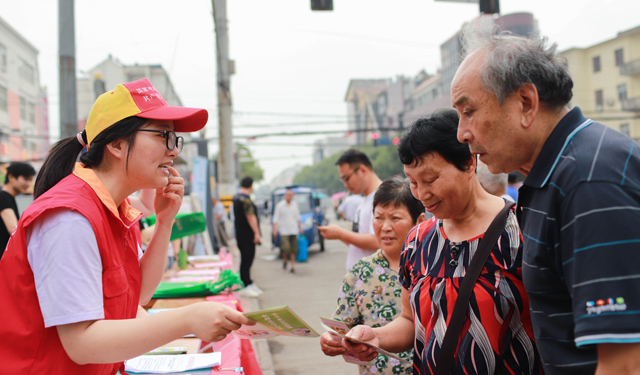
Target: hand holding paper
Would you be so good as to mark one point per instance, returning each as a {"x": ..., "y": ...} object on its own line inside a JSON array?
[{"x": 362, "y": 342}]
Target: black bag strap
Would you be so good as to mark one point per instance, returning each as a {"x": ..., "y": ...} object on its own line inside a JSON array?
[{"x": 452, "y": 335}]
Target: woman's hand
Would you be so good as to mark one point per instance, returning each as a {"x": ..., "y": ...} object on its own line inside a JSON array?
[
  {"x": 169, "y": 198},
  {"x": 331, "y": 345},
  {"x": 212, "y": 321},
  {"x": 361, "y": 351}
]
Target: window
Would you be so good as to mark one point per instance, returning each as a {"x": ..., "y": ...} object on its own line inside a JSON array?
[
  {"x": 3, "y": 58},
  {"x": 599, "y": 100},
  {"x": 4, "y": 104},
  {"x": 31, "y": 112},
  {"x": 622, "y": 92},
  {"x": 624, "y": 129},
  {"x": 619, "y": 57},
  {"x": 23, "y": 108},
  {"x": 25, "y": 71},
  {"x": 596, "y": 64}
]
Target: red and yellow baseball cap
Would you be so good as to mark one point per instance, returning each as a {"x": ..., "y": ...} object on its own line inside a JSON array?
[{"x": 140, "y": 99}]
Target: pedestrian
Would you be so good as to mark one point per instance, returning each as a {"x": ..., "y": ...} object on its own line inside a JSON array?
[
  {"x": 512, "y": 185},
  {"x": 347, "y": 209},
  {"x": 578, "y": 208},
  {"x": 72, "y": 276},
  {"x": 370, "y": 293},
  {"x": 496, "y": 335},
  {"x": 493, "y": 183},
  {"x": 357, "y": 175},
  {"x": 220, "y": 216},
  {"x": 286, "y": 222},
  {"x": 17, "y": 181},
  {"x": 247, "y": 227}
]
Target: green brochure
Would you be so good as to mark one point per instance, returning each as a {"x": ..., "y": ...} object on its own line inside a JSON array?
[{"x": 277, "y": 321}]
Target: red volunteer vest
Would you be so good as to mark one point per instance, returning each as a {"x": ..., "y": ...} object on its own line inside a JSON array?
[{"x": 27, "y": 346}]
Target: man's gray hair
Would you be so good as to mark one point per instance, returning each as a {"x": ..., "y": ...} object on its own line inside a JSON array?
[
  {"x": 512, "y": 61},
  {"x": 495, "y": 184}
]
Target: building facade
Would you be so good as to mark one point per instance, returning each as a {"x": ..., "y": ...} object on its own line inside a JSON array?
[
  {"x": 24, "y": 122},
  {"x": 606, "y": 81}
]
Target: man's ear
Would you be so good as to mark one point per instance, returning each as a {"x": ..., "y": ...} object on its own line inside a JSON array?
[{"x": 527, "y": 94}]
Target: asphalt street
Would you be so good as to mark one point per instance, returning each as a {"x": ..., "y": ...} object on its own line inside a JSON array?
[{"x": 311, "y": 292}]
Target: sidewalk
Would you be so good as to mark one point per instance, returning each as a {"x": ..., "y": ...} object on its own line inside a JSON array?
[{"x": 311, "y": 293}]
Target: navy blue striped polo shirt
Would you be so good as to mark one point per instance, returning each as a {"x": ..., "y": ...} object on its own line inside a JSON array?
[{"x": 579, "y": 212}]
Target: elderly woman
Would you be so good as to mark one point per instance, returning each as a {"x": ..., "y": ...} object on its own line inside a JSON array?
[
  {"x": 496, "y": 337},
  {"x": 370, "y": 293}
]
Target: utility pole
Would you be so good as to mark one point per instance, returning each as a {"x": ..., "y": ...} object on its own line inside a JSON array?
[
  {"x": 226, "y": 173},
  {"x": 67, "y": 53}
]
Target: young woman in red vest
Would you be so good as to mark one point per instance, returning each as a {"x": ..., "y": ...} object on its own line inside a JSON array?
[{"x": 73, "y": 274}]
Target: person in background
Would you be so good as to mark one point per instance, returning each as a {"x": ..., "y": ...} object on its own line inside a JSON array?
[
  {"x": 357, "y": 175},
  {"x": 497, "y": 338},
  {"x": 286, "y": 222},
  {"x": 73, "y": 275},
  {"x": 512, "y": 188},
  {"x": 347, "y": 209},
  {"x": 18, "y": 181},
  {"x": 218, "y": 210},
  {"x": 578, "y": 208},
  {"x": 494, "y": 184},
  {"x": 370, "y": 293},
  {"x": 247, "y": 235}
]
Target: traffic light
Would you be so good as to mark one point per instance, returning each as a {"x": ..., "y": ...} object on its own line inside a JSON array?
[
  {"x": 489, "y": 6},
  {"x": 375, "y": 137},
  {"x": 321, "y": 4}
]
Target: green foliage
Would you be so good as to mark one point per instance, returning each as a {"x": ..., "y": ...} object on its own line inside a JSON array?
[
  {"x": 324, "y": 175},
  {"x": 249, "y": 168}
]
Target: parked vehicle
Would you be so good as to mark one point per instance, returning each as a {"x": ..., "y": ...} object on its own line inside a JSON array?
[{"x": 311, "y": 211}]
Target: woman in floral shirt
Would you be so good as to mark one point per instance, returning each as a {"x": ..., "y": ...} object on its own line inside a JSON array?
[{"x": 371, "y": 291}]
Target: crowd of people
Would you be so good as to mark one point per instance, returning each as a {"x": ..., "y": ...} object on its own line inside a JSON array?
[{"x": 549, "y": 297}]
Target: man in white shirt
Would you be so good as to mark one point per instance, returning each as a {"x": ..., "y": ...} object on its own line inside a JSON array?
[
  {"x": 357, "y": 175},
  {"x": 349, "y": 206},
  {"x": 286, "y": 221}
]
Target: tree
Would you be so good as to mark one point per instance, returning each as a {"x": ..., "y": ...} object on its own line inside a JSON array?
[
  {"x": 324, "y": 175},
  {"x": 248, "y": 165}
]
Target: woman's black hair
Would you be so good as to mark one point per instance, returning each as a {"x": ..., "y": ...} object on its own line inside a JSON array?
[
  {"x": 434, "y": 133},
  {"x": 63, "y": 155},
  {"x": 396, "y": 191}
]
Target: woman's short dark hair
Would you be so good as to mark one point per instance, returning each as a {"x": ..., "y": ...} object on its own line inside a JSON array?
[
  {"x": 434, "y": 133},
  {"x": 397, "y": 192},
  {"x": 63, "y": 155}
]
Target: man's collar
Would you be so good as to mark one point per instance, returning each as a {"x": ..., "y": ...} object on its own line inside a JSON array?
[{"x": 554, "y": 146}]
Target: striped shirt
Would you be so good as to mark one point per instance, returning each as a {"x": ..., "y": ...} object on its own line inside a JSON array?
[
  {"x": 579, "y": 212},
  {"x": 496, "y": 338}
]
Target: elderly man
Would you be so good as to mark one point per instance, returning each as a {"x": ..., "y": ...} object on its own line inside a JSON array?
[{"x": 579, "y": 207}]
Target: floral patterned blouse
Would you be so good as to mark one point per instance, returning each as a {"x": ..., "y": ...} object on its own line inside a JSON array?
[{"x": 371, "y": 295}]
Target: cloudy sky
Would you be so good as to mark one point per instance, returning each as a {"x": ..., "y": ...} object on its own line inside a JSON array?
[{"x": 293, "y": 65}]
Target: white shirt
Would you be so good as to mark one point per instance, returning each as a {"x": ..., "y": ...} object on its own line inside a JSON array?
[
  {"x": 218, "y": 209},
  {"x": 350, "y": 205},
  {"x": 64, "y": 257},
  {"x": 287, "y": 217},
  {"x": 362, "y": 223}
]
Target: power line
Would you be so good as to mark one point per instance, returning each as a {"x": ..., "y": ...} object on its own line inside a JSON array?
[{"x": 285, "y": 114}]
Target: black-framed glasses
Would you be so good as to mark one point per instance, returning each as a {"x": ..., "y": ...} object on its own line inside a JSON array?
[
  {"x": 344, "y": 180},
  {"x": 172, "y": 139}
]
